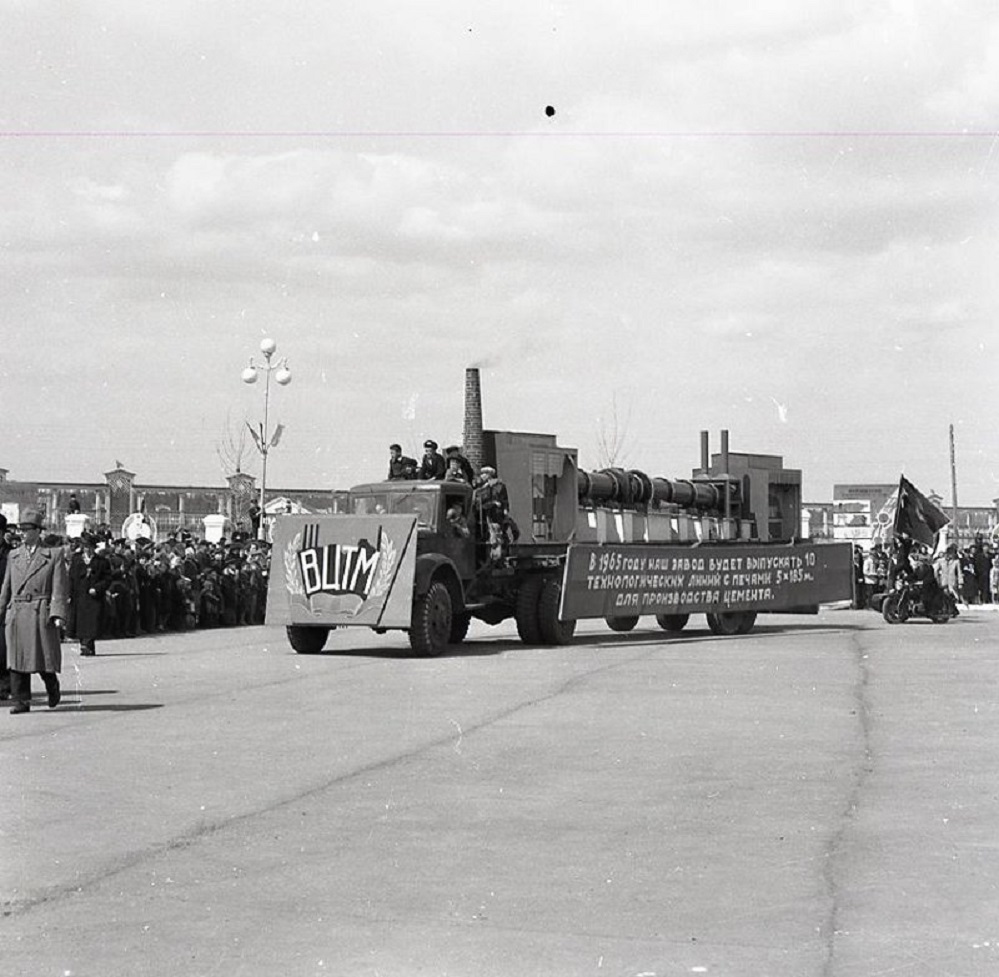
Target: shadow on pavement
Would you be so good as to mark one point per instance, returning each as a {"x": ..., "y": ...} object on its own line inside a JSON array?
[
  {"x": 470, "y": 649},
  {"x": 481, "y": 647},
  {"x": 127, "y": 654},
  {"x": 67, "y": 705}
]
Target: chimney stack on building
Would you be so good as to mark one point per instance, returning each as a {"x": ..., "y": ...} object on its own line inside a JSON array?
[{"x": 472, "y": 434}]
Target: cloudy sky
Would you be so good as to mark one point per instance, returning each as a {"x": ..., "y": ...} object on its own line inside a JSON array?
[{"x": 777, "y": 218}]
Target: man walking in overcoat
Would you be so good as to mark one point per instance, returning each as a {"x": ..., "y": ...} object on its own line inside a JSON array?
[
  {"x": 33, "y": 605},
  {"x": 5, "y": 549}
]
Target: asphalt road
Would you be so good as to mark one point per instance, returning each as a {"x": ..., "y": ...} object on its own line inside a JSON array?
[{"x": 820, "y": 798}]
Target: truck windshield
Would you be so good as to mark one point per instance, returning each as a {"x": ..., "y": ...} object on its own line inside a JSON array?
[{"x": 420, "y": 504}]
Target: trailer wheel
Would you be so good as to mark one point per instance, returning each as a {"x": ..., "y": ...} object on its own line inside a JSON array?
[
  {"x": 459, "y": 627},
  {"x": 748, "y": 620},
  {"x": 622, "y": 623},
  {"x": 528, "y": 598},
  {"x": 307, "y": 640},
  {"x": 672, "y": 622},
  {"x": 889, "y": 609},
  {"x": 726, "y": 623},
  {"x": 430, "y": 633},
  {"x": 553, "y": 631}
]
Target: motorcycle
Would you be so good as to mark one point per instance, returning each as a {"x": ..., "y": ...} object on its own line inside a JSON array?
[{"x": 906, "y": 602}]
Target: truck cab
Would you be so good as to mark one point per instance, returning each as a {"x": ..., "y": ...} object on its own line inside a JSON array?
[{"x": 429, "y": 501}]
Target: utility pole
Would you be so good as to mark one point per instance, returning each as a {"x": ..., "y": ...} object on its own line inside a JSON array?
[{"x": 953, "y": 488}]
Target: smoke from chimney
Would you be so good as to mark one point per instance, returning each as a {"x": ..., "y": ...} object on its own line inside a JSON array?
[{"x": 472, "y": 433}]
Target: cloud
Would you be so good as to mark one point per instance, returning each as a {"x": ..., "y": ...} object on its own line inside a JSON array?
[{"x": 731, "y": 204}]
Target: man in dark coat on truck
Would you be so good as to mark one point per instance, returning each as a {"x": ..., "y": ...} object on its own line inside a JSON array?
[
  {"x": 400, "y": 466},
  {"x": 432, "y": 466},
  {"x": 33, "y": 601}
]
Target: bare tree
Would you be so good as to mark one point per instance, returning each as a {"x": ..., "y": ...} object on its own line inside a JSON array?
[
  {"x": 231, "y": 446},
  {"x": 612, "y": 436}
]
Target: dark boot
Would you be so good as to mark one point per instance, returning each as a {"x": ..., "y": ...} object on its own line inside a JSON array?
[
  {"x": 20, "y": 691},
  {"x": 51, "y": 681}
]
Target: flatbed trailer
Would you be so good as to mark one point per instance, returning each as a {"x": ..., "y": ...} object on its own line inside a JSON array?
[{"x": 402, "y": 568}]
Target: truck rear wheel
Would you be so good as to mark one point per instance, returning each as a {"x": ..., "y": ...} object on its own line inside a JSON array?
[
  {"x": 528, "y": 598},
  {"x": 307, "y": 640},
  {"x": 672, "y": 622},
  {"x": 622, "y": 623},
  {"x": 729, "y": 623},
  {"x": 430, "y": 633},
  {"x": 553, "y": 631}
]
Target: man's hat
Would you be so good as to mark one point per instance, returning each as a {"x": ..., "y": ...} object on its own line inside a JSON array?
[
  {"x": 487, "y": 470},
  {"x": 452, "y": 450},
  {"x": 31, "y": 517},
  {"x": 395, "y": 447},
  {"x": 430, "y": 444}
]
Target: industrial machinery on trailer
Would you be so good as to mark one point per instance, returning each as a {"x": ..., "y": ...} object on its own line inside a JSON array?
[{"x": 610, "y": 544}]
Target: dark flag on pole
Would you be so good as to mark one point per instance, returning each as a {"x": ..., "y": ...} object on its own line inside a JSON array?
[{"x": 916, "y": 515}]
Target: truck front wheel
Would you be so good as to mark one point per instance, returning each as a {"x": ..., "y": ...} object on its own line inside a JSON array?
[
  {"x": 430, "y": 633},
  {"x": 307, "y": 640},
  {"x": 553, "y": 631}
]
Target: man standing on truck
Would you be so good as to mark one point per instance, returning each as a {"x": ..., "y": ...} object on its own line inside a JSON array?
[
  {"x": 491, "y": 488},
  {"x": 493, "y": 502}
]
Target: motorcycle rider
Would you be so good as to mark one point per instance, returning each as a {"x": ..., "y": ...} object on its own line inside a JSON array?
[{"x": 900, "y": 568}]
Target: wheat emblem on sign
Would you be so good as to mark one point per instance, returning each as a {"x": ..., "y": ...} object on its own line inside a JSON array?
[
  {"x": 292, "y": 578},
  {"x": 386, "y": 564}
]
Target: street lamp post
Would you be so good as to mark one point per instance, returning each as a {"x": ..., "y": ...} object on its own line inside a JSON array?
[{"x": 263, "y": 439}]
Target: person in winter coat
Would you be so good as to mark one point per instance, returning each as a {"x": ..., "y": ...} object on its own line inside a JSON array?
[
  {"x": 5, "y": 549},
  {"x": 89, "y": 577},
  {"x": 33, "y": 602},
  {"x": 983, "y": 570}
]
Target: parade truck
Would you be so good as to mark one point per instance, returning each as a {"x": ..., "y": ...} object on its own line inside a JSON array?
[{"x": 614, "y": 544}]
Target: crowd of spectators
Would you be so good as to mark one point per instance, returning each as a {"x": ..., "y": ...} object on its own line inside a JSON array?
[
  {"x": 969, "y": 575},
  {"x": 142, "y": 587}
]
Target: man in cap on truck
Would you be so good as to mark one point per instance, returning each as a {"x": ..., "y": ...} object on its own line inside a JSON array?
[{"x": 432, "y": 466}]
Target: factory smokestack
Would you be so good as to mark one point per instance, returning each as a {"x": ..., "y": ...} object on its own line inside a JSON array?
[{"x": 472, "y": 434}]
